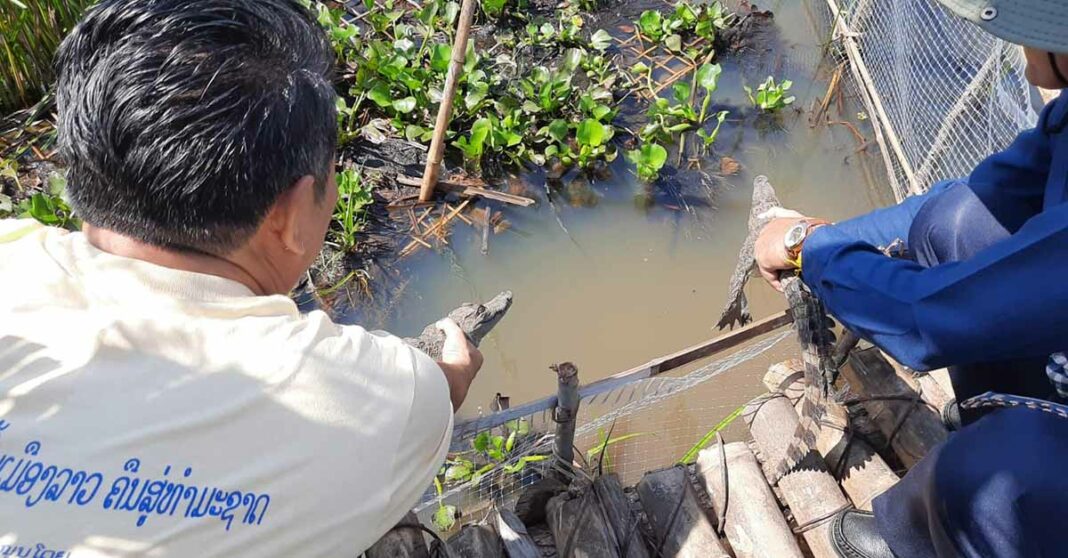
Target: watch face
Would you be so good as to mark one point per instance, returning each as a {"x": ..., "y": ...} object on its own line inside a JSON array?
[{"x": 795, "y": 235}]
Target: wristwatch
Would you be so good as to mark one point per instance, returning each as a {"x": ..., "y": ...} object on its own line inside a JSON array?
[{"x": 795, "y": 238}]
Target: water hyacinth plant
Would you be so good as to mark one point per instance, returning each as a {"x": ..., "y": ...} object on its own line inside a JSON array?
[
  {"x": 770, "y": 96},
  {"x": 393, "y": 72}
]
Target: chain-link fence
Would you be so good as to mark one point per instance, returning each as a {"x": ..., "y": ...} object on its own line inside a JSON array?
[{"x": 942, "y": 93}]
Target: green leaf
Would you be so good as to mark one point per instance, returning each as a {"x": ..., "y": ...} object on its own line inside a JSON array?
[
  {"x": 681, "y": 92},
  {"x": 440, "y": 55},
  {"x": 476, "y": 92},
  {"x": 417, "y": 133},
  {"x": 572, "y": 58},
  {"x": 691, "y": 455},
  {"x": 452, "y": 9},
  {"x": 380, "y": 94},
  {"x": 650, "y": 24},
  {"x": 404, "y": 105},
  {"x": 558, "y": 130},
  {"x": 673, "y": 42},
  {"x": 640, "y": 68},
  {"x": 404, "y": 45},
  {"x": 470, "y": 58},
  {"x": 445, "y": 517},
  {"x": 591, "y": 132},
  {"x": 458, "y": 472},
  {"x": 708, "y": 76},
  {"x": 600, "y": 447},
  {"x": 601, "y": 112},
  {"x": 493, "y": 8},
  {"x": 601, "y": 40},
  {"x": 481, "y": 441}
]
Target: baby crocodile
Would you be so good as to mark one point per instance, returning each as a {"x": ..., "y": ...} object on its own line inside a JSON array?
[
  {"x": 737, "y": 309},
  {"x": 476, "y": 320},
  {"x": 810, "y": 322}
]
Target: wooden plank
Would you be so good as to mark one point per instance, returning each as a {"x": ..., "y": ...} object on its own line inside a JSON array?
[
  {"x": 648, "y": 370},
  {"x": 753, "y": 522},
  {"x": 808, "y": 489},
  {"x": 682, "y": 528},
  {"x": 912, "y": 427}
]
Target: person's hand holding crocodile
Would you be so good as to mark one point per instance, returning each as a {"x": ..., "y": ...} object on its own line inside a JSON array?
[
  {"x": 460, "y": 360},
  {"x": 778, "y": 245},
  {"x": 453, "y": 341}
]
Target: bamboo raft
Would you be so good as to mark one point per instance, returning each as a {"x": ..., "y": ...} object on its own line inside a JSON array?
[{"x": 723, "y": 505}]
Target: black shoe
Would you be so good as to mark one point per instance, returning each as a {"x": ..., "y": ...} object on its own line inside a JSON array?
[
  {"x": 951, "y": 415},
  {"x": 854, "y": 535}
]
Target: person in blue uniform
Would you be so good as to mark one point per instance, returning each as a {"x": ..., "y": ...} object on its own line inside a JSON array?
[{"x": 984, "y": 292}]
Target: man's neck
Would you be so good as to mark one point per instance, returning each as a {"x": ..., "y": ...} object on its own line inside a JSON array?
[{"x": 209, "y": 264}]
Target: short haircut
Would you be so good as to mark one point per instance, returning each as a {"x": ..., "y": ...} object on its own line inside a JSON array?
[{"x": 182, "y": 121}]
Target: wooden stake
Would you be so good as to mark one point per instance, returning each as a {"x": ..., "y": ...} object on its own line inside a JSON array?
[
  {"x": 565, "y": 413},
  {"x": 452, "y": 79}
]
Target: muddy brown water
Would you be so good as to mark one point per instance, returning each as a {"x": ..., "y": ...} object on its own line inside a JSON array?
[{"x": 613, "y": 273}]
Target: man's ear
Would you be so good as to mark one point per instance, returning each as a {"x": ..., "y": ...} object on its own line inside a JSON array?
[{"x": 290, "y": 213}]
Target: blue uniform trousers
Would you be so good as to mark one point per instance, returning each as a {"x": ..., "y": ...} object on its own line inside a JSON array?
[{"x": 998, "y": 487}]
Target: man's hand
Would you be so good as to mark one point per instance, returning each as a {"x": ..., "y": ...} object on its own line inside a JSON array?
[
  {"x": 460, "y": 361},
  {"x": 770, "y": 248}
]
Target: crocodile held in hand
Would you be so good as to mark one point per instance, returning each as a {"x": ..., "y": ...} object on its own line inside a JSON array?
[
  {"x": 810, "y": 322},
  {"x": 737, "y": 309},
  {"x": 476, "y": 320}
]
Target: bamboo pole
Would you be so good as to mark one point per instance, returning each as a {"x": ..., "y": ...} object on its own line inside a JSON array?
[
  {"x": 681, "y": 526},
  {"x": 808, "y": 489},
  {"x": 752, "y": 520},
  {"x": 452, "y": 79}
]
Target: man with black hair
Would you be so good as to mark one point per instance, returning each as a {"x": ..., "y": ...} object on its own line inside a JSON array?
[{"x": 160, "y": 395}]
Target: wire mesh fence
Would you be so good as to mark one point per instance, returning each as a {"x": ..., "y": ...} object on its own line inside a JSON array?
[
  {"x": 943, "y": 93},
  {"x": 638, "y": 427}
]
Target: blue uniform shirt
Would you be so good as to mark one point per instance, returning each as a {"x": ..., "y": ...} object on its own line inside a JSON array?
[{"x": 1008, "y": 301}]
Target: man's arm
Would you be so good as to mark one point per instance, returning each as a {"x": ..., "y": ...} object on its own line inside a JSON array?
[
  {"x": 1011, "y": 183},
  {"x": 1005, "y": 302}
]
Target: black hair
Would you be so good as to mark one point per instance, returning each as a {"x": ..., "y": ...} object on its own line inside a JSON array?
[{"x": 182, "y": 121}]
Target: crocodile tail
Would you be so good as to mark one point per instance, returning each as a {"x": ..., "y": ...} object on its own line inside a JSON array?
[{"x": 805, "y": 435}]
